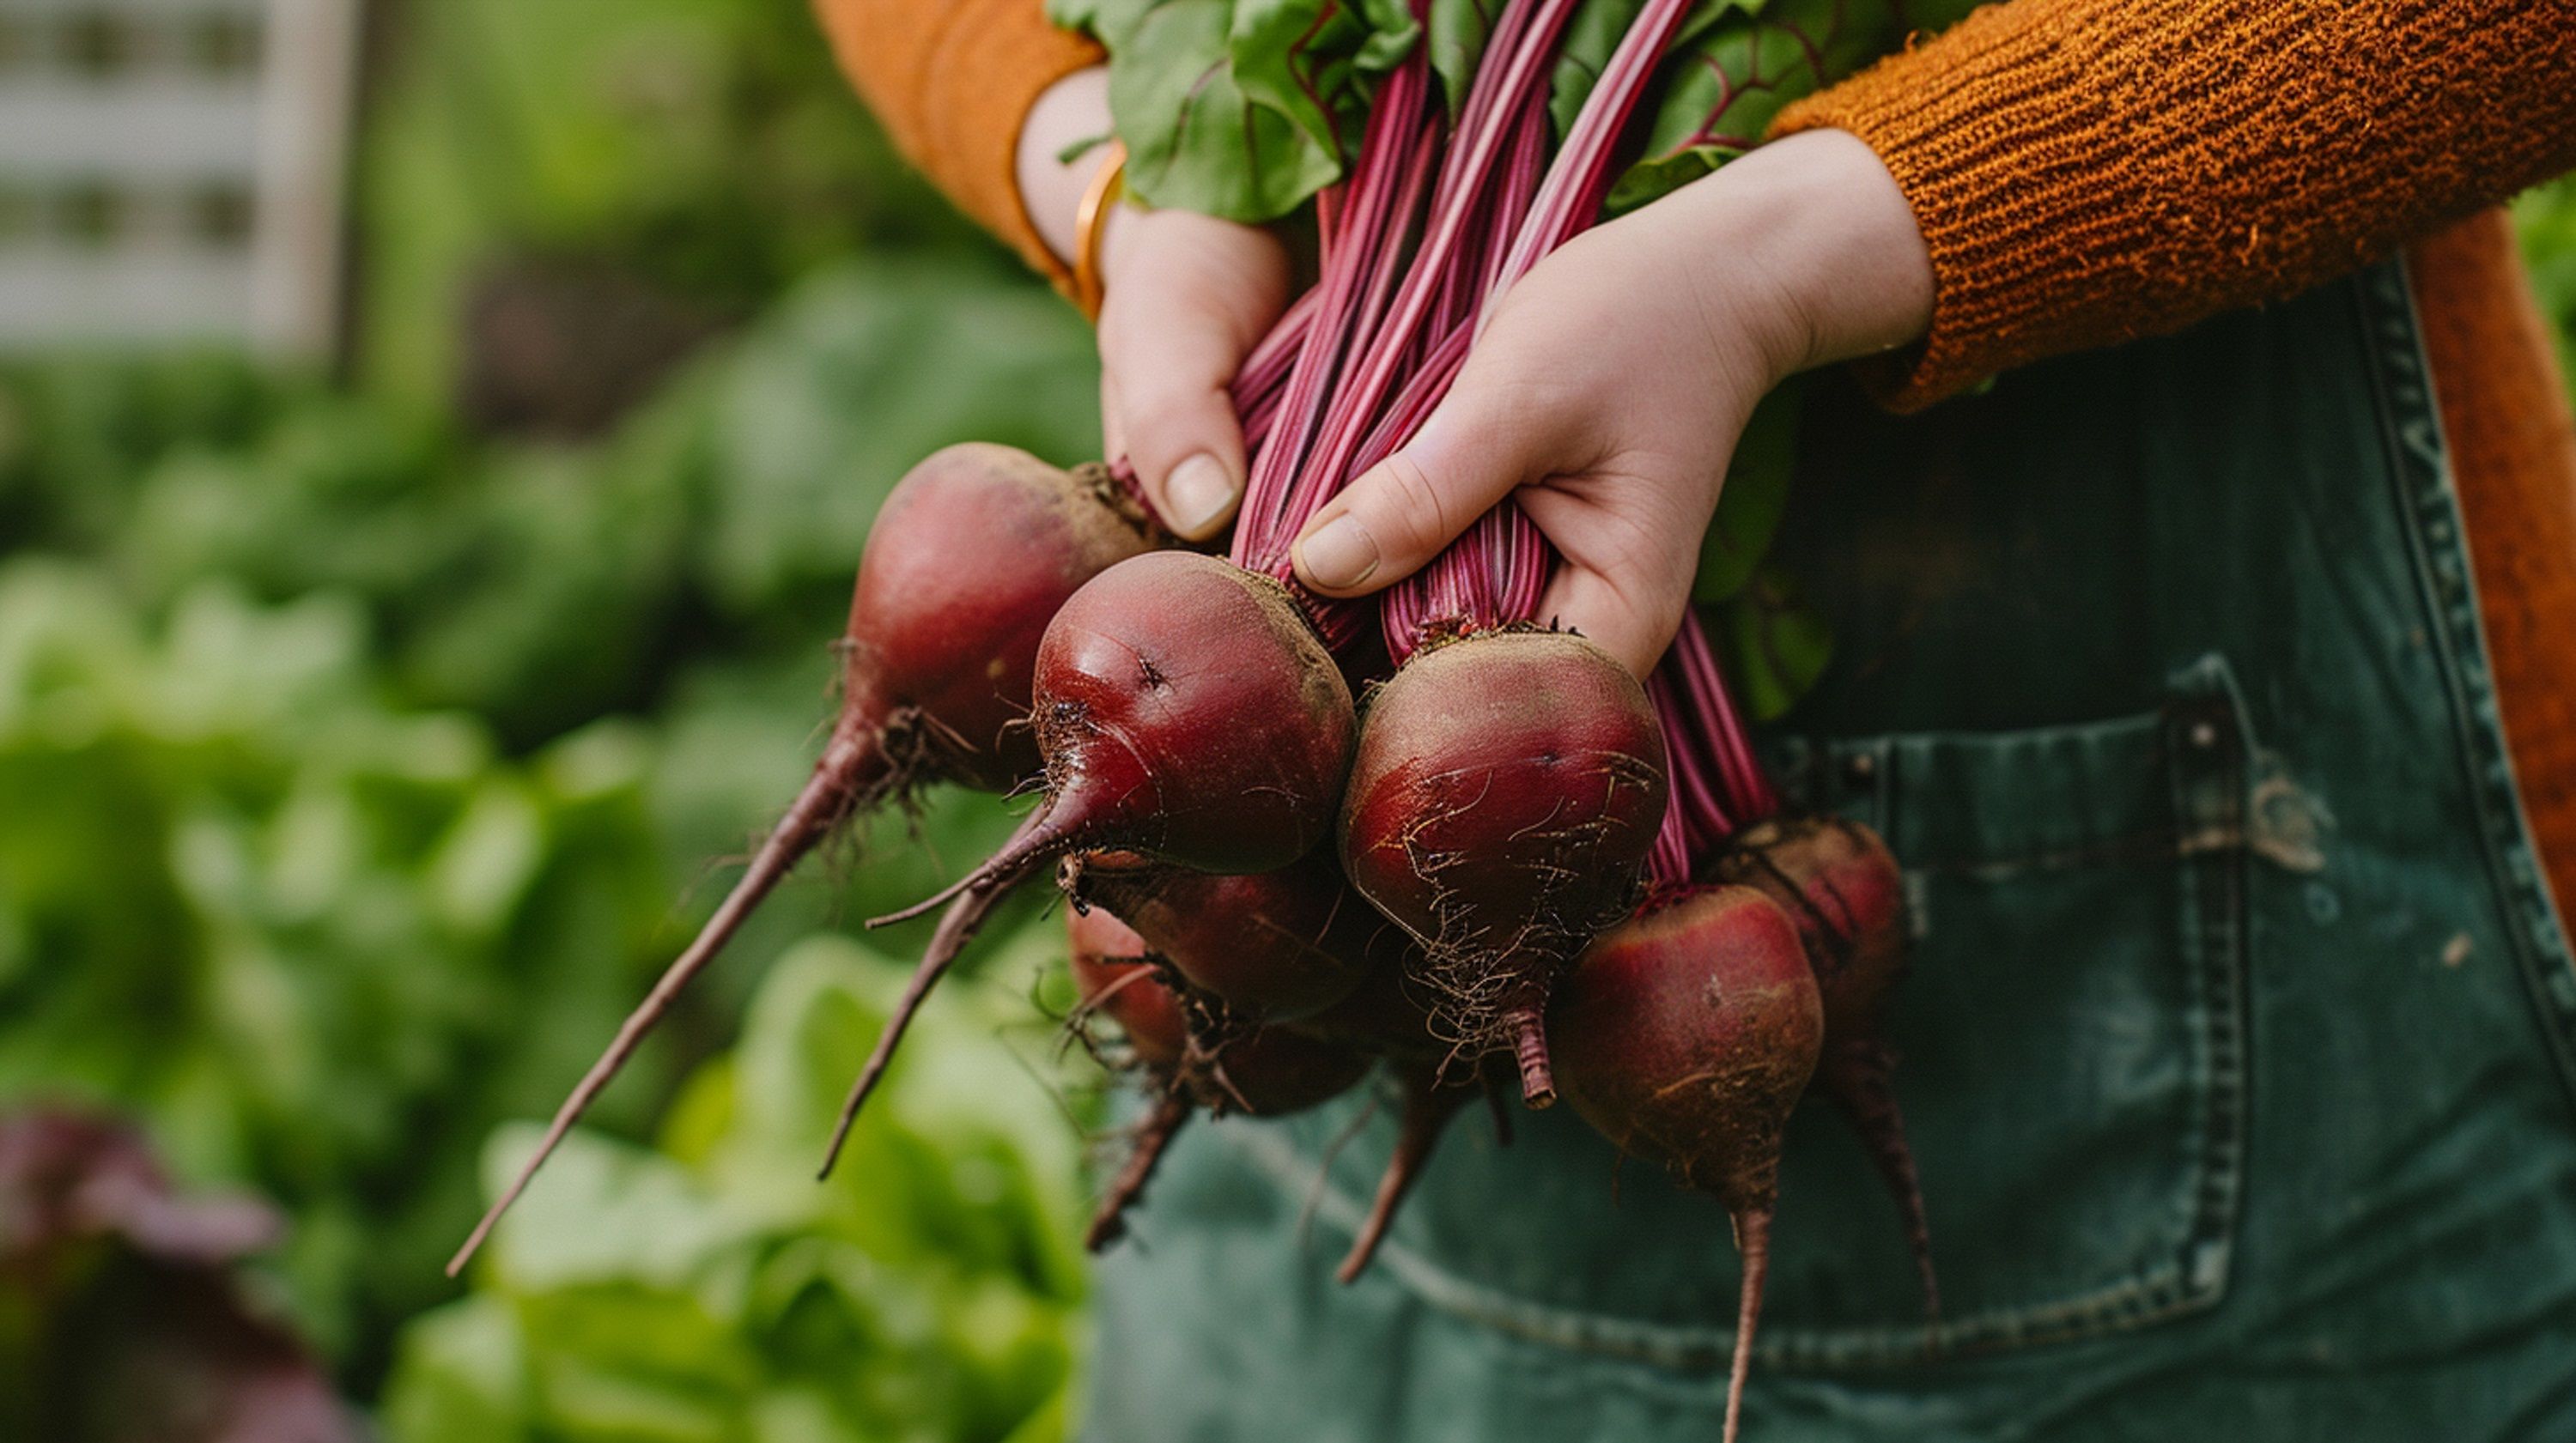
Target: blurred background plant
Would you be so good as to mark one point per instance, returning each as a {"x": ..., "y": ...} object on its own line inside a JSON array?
[{"x": 359, "y": 726}]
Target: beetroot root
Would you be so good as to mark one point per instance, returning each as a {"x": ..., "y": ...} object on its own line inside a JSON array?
[
  {"x": 1840, "y": 884},
  {"x": 936, "y": 675},
  {"x": 1259, "y": 1071},
  {"x": 1271, "y": 946},
  {"x": 1114, "y": 975},
  {"x": 1685, "y": 1037},
  {"x": 1430, "y": 1102},
  {"x": 1187, "y": 713},
  {"x": 1507, "y": 788}
]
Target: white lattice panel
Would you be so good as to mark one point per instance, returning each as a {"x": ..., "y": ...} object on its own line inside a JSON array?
[{"x": 171, "y": 170}]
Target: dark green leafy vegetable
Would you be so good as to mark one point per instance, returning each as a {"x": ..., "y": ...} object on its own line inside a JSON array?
[
  {"x": 1755, "y": 498},
  {"x": 1242, "y": 108},
  {"x": 1742, "y": 63},
  {"x": 1246, "y": 108},
  {"x": 1773, "y": 642}
]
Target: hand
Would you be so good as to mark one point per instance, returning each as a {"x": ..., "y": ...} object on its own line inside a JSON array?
[
  {"x": 1184, "y": 298},
  {"x": 1612, "y": 381}
]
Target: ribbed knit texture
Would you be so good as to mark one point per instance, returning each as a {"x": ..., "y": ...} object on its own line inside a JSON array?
[
  {"x": 951, "y": 80},
  {"x": 2086, "y": 171}
]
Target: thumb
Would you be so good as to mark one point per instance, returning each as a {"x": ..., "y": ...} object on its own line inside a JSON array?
[{"x": 1484, "y": 442}]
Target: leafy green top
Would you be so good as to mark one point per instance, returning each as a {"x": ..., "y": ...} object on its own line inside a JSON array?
[{"x": 1246, "y": 108}]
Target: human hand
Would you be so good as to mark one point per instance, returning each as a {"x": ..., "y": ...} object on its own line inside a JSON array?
[
  {"x": 1184, "y": 299},
  {"x": 1612, "y": 381}
]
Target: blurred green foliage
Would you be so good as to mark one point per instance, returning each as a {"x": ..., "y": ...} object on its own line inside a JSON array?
[
  {"x": 355, "y": 765},
  {"x": 294, "y": 928},
  {"x": 361, "y": 770},
  {"x": 2547, "y": 219},
  {"x": 708, "y": 147},
  {"x": 711, "y": 1290}
]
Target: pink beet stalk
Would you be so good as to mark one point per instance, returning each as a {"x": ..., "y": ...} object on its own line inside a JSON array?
[{"x": 1509, "y": 782}]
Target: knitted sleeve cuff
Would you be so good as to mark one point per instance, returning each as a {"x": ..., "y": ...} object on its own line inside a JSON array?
[
  {"x": 952, "y": 80},
  {"x": 2087, "y": 171}
]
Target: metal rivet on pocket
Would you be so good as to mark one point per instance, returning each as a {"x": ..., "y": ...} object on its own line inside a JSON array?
[
  {"x": 1860, "y": 768},
  {"x": 2203, "y": 735}
]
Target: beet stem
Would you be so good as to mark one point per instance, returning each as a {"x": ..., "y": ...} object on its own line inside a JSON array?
[
  {"x": 965, "y": 917},
  {"x": 1753, "y": 1240},
  {"x": 1152, "y": 1137},
  {"x": 852, "y": 767},
  {"x": 1529, "y": 1049}
]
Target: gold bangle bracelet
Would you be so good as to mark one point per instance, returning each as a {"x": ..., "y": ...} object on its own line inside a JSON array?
[{"x": 1091, "y": 222}]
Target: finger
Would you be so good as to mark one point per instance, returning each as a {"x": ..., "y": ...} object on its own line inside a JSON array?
[
  {"x": 1174, "y": 418},
  {"x": 1113, "y": 426},
  {"x": 1489, "y": 438},
  {"x": 1628, "y": 614},
  {"x": 1189, "y": 302}
]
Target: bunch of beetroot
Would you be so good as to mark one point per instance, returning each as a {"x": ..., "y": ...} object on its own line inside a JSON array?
[{"x": 1299, "y": 837}]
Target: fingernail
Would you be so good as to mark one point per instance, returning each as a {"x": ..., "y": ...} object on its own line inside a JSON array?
[
  {"x": 1340, "y": 554},
  {"x": 1201, "y": 491}
]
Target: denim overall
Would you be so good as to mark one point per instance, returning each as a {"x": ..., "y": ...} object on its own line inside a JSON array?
[{"x": 2240, "y": 1037}]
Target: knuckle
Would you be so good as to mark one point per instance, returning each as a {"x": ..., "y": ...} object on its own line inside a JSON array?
[{"x": 1414, "y": 505}]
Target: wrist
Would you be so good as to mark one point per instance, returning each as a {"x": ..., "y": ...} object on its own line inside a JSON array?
[
  {"x": 1067, "y": 114},
  {"x": 1817, "y": 243}
]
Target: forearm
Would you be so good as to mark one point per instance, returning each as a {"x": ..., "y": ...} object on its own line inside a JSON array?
[
  {"x": 1052, "y": 166},
  {"x": 2085, "y": 171}
]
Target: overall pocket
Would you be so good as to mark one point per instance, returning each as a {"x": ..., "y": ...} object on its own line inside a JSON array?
[
  {"x": 2072, "y": 1032},
  {"x": 2073, "y": 1078}
]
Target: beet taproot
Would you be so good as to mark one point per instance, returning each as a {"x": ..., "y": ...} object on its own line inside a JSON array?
[
  {"x": 1841, "y": 885},
  {"x": 1685, "y": 1036},
  {"x": 937, "y": 662},
  {"x": 1257, "y": 1071},
  {"x": 1274, "y": 946},
  {"x": 1185, "y": 712}
]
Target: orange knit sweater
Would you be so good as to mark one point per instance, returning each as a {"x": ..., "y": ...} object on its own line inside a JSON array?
[{"x": 2087, "y": 171}]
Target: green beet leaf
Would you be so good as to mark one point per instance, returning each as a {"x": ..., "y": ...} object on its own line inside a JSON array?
[{"x": 1241, "y": 108}]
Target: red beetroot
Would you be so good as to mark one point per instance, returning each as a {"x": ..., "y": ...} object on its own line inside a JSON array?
[
  {"x": 1267, "y": 1072},
  {"x": 1381, "y": 1015},
  {"x": 1185, "y": 712},
  {"x": 1840, "y": 884},
  {"x": 1262, "y": 1071},
  {"x": 936, "y": 672},
  {"x": 1507, "y": 787},
  {"x": 940, "y": 654},
  {"x": 1113, "y": 974},
  {"x": 1685, "y": 1037},
  {"x": 1272, "y": 1072},
  {"x": 1271, "y": 946}
]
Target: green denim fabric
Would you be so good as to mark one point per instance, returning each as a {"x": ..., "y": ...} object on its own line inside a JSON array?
[{"x": 2239, "y": 1045}]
